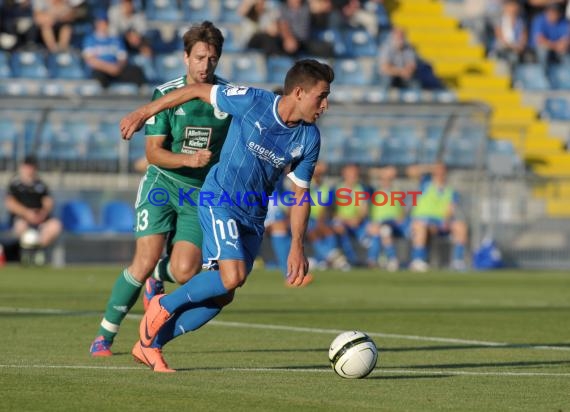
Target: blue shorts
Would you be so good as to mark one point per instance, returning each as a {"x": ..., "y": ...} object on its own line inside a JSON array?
[
  {"x": 434, "y": 222},
  {"x": 228, "y": 237},
  {"x": 399, "y": 229}
]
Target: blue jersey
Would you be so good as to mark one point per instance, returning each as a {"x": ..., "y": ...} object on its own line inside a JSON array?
[{"x": 258, "y": 147}]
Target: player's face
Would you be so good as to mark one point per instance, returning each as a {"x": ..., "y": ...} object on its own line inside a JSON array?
[
  {"x": 201, "y": 63},
  {"x": 313, "y": 102}
]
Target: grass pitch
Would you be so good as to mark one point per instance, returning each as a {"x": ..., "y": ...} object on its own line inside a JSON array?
[{"x": 496, "y": 341}]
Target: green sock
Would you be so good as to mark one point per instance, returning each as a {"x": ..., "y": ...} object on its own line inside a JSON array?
[
  {"x": 162, "y": 271},
  {"x": 123, "y": 296}
]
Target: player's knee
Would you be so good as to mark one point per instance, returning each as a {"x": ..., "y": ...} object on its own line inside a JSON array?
[
  {"x": 183, "y": 270},
  {"x": 224, "y": 300},
  {"x": 233, "y": 280}
]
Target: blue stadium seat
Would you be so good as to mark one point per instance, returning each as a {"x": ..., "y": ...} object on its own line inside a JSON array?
[
  {"x": 231, "y": 44},
  {"x": 5, "y": 71},
  {"x": 557, "y": 108},
  {"x": 359, "y": 43},
  {"x": 29, "y": 64},
  {"x": 89, "y": 88},
  {"x": 403, "y": 131},
  {"x": 66, "y": 66},
  {"x": 429, "y": 151},
  {"x": 365, "y": 152},
  {"x": 123, "y": 89},
  {"x": 248, "y": 68},
  {"x": 333, "y": 151},
  {"x": 196, "y": 11},
  {"x": 77, "y": 217},
  {"x": 462, "y": 152},
  {"x": 400, "y": 150},
  {"x": 104, "y": 143},
  {"x": 169, "y": 66},
  {"x": 333, "y": 37},
  {"x": 118, "y": 217},
  {"x": 531, "y": 77},
  {"x": 349, "y": 71},
  {"x": 229, "y": 12},
  {"x": 137, "y": 146},
  {"x": 368, "y": 133},
  {"x": 162, "y": 45},
  {"x": 163, "y": 10},
  {"x": 559, "y": 75},
  {"x": 277, "y": 68},
  {"x": 52, "y": 89},
  {"x": 146, "y": 63},
  {"x": 63, "y": 142}
]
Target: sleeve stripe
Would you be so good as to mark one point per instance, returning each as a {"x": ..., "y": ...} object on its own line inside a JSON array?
[{"x": 297, "y": 181}]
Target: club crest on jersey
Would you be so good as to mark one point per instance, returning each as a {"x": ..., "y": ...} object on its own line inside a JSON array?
[
  {"x": 219, "y": 114},
  {"x": 236, "y": 91},
  {"x": 296, "y": 150}
]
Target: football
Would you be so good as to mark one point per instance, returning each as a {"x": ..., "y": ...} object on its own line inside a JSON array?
[{"x": 353, "y": 355}]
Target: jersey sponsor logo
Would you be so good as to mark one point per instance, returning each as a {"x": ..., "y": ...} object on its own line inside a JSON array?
[
  {"x": 180, "y": 112},
  {"x": 219, "y": 114},
  {"x": 266, "y": 154},
  {"x": 196, "y": 138},
  {"x": 236, "y": 91}
]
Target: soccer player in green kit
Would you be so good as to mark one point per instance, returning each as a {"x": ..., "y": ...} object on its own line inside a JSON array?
[{"x": 182, "y": 144}]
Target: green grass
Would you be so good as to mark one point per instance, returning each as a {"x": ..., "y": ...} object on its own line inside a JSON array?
[{"x": 232, "y": 364}]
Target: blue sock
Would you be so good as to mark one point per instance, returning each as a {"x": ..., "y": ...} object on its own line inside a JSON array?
[
  {"x": 281, "y": 243},
  {"x": 391, "y": 251},
  {"x": 191, "y": 317},
  {"x": 346, "y": 245},
  {"x": 458, "y": 252},
  {"x": 375, "y": 249},
  {"x": 321, "y": 249},
  {"x": 201, "y": 287},
  {"x": 419, "y": 253}
]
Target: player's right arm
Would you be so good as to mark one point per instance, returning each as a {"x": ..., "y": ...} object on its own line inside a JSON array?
[{"x": 136, "y": 119}]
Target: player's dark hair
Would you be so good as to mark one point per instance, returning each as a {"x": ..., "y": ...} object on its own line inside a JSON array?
[
  {"x": 306, "y": 73},
  {"x": 205, "y": 32}
]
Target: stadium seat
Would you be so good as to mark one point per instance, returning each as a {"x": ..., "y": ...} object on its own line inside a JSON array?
[
  {"x": 368, "y": 133},
  {"x": 359, "y": 43},
  {"x": 64, "y": 142},
  {"x": 65, "y": 65},
  {"x": 333, "y": 37},
  {"x": 462, "y": 152},
  {"x": 229, "y": 11},
  {"x": 29, "y": 64},
  {"x": 277, "y": 67},
  {"x": 163, "y": 10},
  {"x": 8, "y": 139},
  {"x": 531, "y": 77},
  {"x": 248, "y": 68},
  {"x": 557, "y": 108},
  {"x": 429, "y": 151},
  {"x": 559, "y": 76},
  {"x": 52, "y": 89},
  {"x": 89, "y": 88},
  {"x": 77, "y": 217},
  {"x": 146, "y": 63},
  {"x": 123, "y": 89},
  {"x": 196, "y": 11},
  {"x": 400, "y": 150},
  {"x": 231, "y": 43},
  {"x": 365, "y": 152},
  {"x": 137, "y": 146},
  {"x": 118, "y": 217},
  {"x": 169, "y": 66},
  {"x": 5, "y": 71},
  {"x": 350, "y": 72}
]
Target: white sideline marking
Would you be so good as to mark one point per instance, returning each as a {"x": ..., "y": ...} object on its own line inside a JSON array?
[
  {"x": 8, "y": 310},
  {"x": 300, "y": 370}
]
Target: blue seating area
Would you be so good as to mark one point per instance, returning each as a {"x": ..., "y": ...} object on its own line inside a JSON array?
[{"x": 78, "y": 217}]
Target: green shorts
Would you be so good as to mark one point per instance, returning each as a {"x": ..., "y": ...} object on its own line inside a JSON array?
[{"x": 158, "y": 210}]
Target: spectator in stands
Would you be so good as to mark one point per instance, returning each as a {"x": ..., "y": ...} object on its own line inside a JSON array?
[
  {"x": 30, "y": 205},
  {"x": 129, "y": 24},
  {"x": 551, "y": 35},
  {"x": 511, "y": 34},
  {"x": 436, "y": 213},
  {"x": 398, "y": 62},
  {"x": 106, "y": 55},
  {"x": 54, "y": 19},
  {"x": 385, "y": 221},
  {"x": 349, "y": 218},
  {"x": 532, "y": 8},
  {"x": 260, "y": 28},
  {"x": 16, "y": 24},
  {"x": 295, "y": 29},
  {"x": 350, "y": 14}
]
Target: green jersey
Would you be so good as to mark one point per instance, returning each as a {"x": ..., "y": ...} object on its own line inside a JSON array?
[{"x": 190, "y": 127}]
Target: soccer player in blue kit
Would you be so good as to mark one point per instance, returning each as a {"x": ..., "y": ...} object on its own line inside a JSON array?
[{"x": 268, "y": 134}]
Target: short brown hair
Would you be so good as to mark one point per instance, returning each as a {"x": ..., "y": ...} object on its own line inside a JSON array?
[
  {"x": 306, "y": 73},
  {"x": 205, "y": 32}
]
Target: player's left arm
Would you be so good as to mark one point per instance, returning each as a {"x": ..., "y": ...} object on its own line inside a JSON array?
[
  {"x": 136, "y": 119},
  {"x": 297, "y": 263}
]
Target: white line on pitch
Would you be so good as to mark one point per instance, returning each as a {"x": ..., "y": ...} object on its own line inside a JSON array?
[
  {"x": 264, "y": 326},
  {"x": 301, "y": 370}
]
